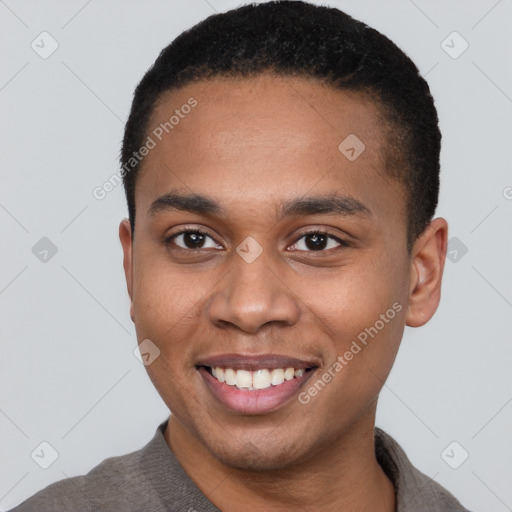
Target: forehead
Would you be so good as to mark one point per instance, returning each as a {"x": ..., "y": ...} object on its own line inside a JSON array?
[
  {"x": 263, "y": 111},
  {"x": 263, "y": 138}
]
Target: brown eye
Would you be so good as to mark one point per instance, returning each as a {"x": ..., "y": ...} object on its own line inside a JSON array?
[
  {"x": 193, "y": 239},
  {"x": 317, "y": 241}
]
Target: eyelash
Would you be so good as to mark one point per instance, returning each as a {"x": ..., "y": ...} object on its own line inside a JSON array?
[{"x": 342, "y": 243}]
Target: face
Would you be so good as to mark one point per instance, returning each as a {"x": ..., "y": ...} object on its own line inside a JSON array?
[{"x": 267, "y": 257}]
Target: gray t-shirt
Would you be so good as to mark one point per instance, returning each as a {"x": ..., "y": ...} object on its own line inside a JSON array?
[{"x": 152, "y": 480}]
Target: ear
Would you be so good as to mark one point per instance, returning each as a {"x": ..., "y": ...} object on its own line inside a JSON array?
[
  {"x": 427, "y": 263},
  {"x": 125, "y": 235}
]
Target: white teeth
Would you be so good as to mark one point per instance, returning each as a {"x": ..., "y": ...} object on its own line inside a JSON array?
[
  {"x": 257, "y": 379},
  {"x": 243, "y": 379},
  {"x": 289, "y": 373},
  {"x": 277, "y": 377},
  {"x": 230, "y": 377},
  {"x": 261, "y": 379}
]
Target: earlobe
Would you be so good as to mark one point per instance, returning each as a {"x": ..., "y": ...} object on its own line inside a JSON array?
[
  {"x": 426, "y": 273},
  {"x": 125, "y": 236}
]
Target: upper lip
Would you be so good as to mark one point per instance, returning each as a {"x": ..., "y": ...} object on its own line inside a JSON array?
[{"x": 255, "y": 362}]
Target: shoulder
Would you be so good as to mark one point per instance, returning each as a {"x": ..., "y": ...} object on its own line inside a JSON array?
[
  {"x": 414, "y": 490},
  {"x": 110, "y": 486}
]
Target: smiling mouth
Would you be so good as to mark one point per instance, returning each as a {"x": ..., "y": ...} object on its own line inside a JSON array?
[
  {"x": 252, "y": 380},
  {"x": 255, "y": 384}
]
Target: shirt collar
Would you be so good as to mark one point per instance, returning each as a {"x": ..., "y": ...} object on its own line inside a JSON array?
[{"x": 414, "y": 490}]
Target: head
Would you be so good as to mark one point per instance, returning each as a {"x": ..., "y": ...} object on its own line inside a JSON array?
[{"x": 281, "y": 214}]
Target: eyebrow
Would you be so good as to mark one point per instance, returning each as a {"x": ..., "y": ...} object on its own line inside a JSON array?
[
  {"x": 333, "y": 204},
  {"x": 330, "y": 204},
  {"x": 193, "y": 203}
]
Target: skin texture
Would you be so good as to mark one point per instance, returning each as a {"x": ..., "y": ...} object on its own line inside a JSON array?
[{"x": 251, "y": 145}]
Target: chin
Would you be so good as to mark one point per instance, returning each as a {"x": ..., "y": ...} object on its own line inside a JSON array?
[
  {"x": 258, "y": 455},
  {"x": 256, "y": 461}
]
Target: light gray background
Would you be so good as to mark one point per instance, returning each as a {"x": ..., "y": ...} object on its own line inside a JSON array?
[{"x": 68, "y": 375}]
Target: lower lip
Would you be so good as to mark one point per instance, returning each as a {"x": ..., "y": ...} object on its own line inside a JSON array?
[{"x": 258, "y": 401}]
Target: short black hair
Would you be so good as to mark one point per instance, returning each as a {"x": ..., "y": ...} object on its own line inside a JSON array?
[{"x": 297, "y": 39}]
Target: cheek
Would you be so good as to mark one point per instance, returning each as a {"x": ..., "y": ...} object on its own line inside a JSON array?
[
  {"x": 165, "y": 305},
  {"x": 354, "y": 297},
  {"x": 163, "y": 296},
  {"x": 362, "y": 312}
]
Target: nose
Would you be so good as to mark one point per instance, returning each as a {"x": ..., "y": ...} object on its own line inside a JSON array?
[{"x": 252, "y": 295}]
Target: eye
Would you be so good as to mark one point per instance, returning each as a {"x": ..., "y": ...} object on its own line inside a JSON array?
[
  {"x": 317, "y": 241},
  {"x": 193, "y": 239}
]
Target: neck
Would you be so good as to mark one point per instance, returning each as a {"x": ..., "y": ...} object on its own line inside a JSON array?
[{"x": 344, "y": 476}]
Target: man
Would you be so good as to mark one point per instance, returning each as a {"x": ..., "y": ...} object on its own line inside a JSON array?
[{"x": 281, "y": 166}]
